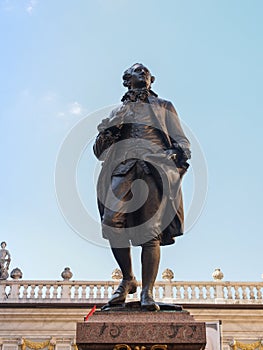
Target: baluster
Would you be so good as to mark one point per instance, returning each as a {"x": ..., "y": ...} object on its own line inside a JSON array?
[
  {"x": 170, "y": 291},
  {"x": 183, "y": 292},
  {"x": 204, "y": 292},
  {"x": 207, "y": 291},
  {"x": 213, "y": 291},
  {"x": 237, "y": 294},
  {"x": 228, "y": 293},
  {"x": 40, "y": 291},
  {"x": 190, "y": 292},
  {"x": 71, "y": 290},
  {"x": 224, "y": 292},
  {"x": 98, "y": 291},
  {"x": 24, "y": 296},
  {"x": 32, "y": 291},
  {"x": 91, "y": 291},
  {"x": 258, "y": 292},
  {"x": 252, "y": 293},
  {"x": 48, "y": 291},
  {"x": 82, "y": 292},
  {"x": 244, "y": 292},
  {"x": 106, "y": 292},
  {"x": 55, "y": 291},
  {"x": 173, "y": 294},
  {"x": 85, "y": 292},
  {"x": 201, "y": 292}
]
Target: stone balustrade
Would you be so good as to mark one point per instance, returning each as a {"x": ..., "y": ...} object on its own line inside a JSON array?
[{"x": 55, "y": 292}]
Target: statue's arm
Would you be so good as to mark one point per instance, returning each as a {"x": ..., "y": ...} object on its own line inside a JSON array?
[
  {"x": 109, "y": 133},
  {"x": 181, "y": 144},
  {"x": 8, "y": 256},
  {"x": 7, "y": 259},
  {"x": 103, "y": 141}
]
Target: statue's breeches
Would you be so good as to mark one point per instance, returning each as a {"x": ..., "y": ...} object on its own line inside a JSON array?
[{"x": 133, "y": 209}]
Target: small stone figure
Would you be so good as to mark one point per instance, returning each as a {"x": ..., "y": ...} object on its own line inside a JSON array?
[
  {"x": 144, "y": 152},
  {"x": 5, "y": 259}
]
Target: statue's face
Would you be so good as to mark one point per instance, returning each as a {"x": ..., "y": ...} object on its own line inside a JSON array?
[
  {"x": 3, "y": 245},
  {"x": 140, "y": 77}
]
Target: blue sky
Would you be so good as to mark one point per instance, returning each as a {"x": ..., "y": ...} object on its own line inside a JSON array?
[{"x": 62, "y": 60}]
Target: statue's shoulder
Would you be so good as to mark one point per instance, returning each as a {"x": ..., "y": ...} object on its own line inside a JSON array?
[
  {"x": 117, "y": 109},
  {"x": 160, "y": 101}
]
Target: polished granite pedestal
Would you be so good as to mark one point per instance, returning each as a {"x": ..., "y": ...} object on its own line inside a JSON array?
[{"x": 138, "y": 330}]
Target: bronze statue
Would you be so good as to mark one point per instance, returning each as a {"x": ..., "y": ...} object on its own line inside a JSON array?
[
  {"x": 5, "y": 259},
  {"x": 144, "y": 152}
]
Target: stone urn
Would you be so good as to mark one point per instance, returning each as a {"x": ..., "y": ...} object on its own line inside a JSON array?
[
  {"x": 116, "y": 274},
  {"x": 167, "y": 275},
  {"x": 217, "y": 275},
  {"x": 16, "y": 273},
  {"x": 66, "y": 274}
]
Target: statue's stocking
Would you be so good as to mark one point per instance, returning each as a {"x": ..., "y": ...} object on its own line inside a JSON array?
[
  {"x": 123, "y": 258},
  {"x": 150, "y": 258},
  {"x": 128, "y": 284}
]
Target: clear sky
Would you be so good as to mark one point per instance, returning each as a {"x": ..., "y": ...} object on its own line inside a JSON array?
[{"x": 62, "y": 60}]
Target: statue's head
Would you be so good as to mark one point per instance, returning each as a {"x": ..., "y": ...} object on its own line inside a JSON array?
[
  {"x": 137, "y": 76},
  {"x": 3, "y": 245}
]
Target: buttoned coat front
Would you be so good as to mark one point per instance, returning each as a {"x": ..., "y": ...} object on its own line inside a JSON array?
[{"x": 163, "y": 118}]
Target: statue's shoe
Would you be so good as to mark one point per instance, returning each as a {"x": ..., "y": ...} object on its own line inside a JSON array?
[
  {"x": 148, "y": 303},
  {"x": 125, "y": 287}
]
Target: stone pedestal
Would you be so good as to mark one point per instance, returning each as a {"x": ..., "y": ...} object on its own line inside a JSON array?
[{"x": 137, "y": 330}]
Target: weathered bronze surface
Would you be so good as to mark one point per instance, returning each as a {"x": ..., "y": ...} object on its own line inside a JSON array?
[{"x": 144, "y": 152}]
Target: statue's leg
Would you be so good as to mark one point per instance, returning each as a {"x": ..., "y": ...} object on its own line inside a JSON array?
[
  {"x": 128, "y": 284},
  {"x": 150, "y": 258},
  {"x": 123, "y": 258},
  {"x": 117, "y": 235}
]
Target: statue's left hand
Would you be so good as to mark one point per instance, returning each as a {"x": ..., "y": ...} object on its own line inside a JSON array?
[{"x": 181, "y": 171}]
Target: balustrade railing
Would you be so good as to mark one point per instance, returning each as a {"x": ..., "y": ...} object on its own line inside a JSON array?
[{"x": 16, "y": 291}]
